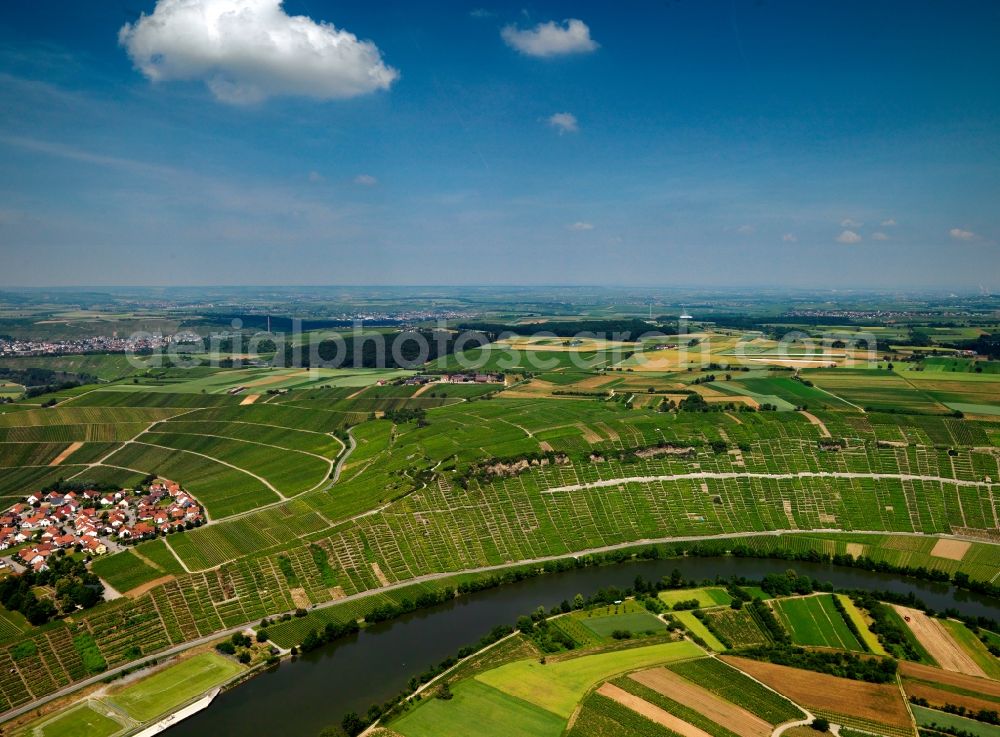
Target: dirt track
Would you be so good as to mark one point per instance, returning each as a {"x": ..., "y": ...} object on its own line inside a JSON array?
[{"x": 67, "y": 452}]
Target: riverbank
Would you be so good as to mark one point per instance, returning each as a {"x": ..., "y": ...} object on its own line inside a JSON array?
[
  {"x": 385, "y": 657},
  {"x": 797, "y": 546}
]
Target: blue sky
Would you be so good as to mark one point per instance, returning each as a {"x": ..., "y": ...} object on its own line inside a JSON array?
[{"x": 842, "y": 144}]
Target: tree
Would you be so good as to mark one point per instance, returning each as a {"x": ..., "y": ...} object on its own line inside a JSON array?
[
  {"x": 353, "y": 724},
  {"x": 820, "y": 724}
]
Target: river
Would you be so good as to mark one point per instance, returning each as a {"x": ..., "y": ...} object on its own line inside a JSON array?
[{"x": 298, "y": 699}]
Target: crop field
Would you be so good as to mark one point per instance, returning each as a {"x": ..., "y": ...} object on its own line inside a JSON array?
[
  {"x": 697, "y": 627},
  {"x": 875, "y": 389},
  {"x": 482, "y": 483},
  {"x": 694, "y": 705},
  {"x": 600, "y": 716},
  {"x": 861, "y": 622},
  {"x": 988, "y": 663},
  {"x": 125, "y": 571},
  {"x": 735, "y": 687},
  {"x": 940, "y": 687},
  {"x": 222, "y": 489},
  {"x": 945, "y": 723},
  {"x": 936, "y": 640},
  {"x": 635, "y": 622},
  {"x": 290, "y": 472},
  {"x": 878, "y": 706},
  {"x": 739, "y": 628},
  {"x": 103, "y": 366},
  {"x": 559, "y": 686},
  {"x": 815, "y": 621},
  {"x": 706, "y": 596},
  {"x": 496, "y": 714},
  {"x": 173, "y": 685}
]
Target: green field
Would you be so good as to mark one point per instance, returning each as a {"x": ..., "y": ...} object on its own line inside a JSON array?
[
  {"x": 600, "y": 716},
  {"x": 968, "y": 641},
  {"x": 87, "y": 720},
  {"x": 698, "y": 627},
  {"x": 739, "y": 628},
  {"x": 706, "y": 596},
  {"x": 928, "y": 718},
  {"x": 815, "y": 621},
  {"x": 558, "y": 686},
  {"x": 416, "y": 495},
  {"x": 495, "y": 714},
  {"x": 636, "y": 623},
  {"x": 857, "y": 616},
  {"x": 170, "y": 687}
]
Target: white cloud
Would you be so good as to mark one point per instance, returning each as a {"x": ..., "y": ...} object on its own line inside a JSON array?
[
  {"x": 879, "y": 236},
  {"x": 581, "y": 225},
  {"x": 961, "y": 235},
  {"x": 482, "y": 13},
  {"x": 849, "y": 223},
  {"x": 315, "y": 177},
  {"x": 790, "y": 238},
  {"x": 745, "y": 229},
  {"x": 888, "y": 223},
  {"x": 365, "y": 180},
  {"x": 849, "y": 236},
  {"x": 248, "y": 50},
  {"x": 551, "y": 39},
  {"x": 564, "y": 122}
]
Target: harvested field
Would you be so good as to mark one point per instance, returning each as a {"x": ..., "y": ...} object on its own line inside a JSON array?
[
  {"x": 720, "y": 711},
  {"x": 544, "y": 446},
  {"x": 264, "y": 381},
  {"x": 735, "y": 398},
  {"x": 939, "y": 643},
  {"x": 70, "y": 449},
  {"x": 595, "y": 382},
  {"x": 939, "y": 697},
  {"x": 589, "y": 435},
  {"x": 956, "y": 680},
  {"x": 877, "y": 703},
  {"x": 651, "y": 712},
  {"x": 250, "y": 399},
  {"x": 950, "y": 549},
  {"x": 941, "y": 687}
]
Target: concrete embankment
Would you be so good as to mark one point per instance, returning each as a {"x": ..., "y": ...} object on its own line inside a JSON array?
[{"x": 179, "y": 715}]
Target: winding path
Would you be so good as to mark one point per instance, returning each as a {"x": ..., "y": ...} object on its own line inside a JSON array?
[{"x": 604, "y": 483}]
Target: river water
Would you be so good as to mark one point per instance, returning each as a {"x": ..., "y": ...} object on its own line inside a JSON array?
[{"x": 300, "y": 698}]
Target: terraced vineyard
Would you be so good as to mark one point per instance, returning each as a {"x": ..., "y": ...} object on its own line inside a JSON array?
[{"x": 415, "y": 499}]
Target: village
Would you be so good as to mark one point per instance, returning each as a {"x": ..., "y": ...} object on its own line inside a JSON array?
[{"x": 92, "y": 522}]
